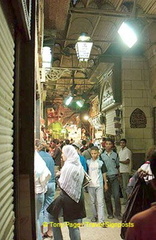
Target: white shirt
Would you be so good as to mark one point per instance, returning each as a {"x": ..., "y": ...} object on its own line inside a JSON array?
[
  {"x": 41, "y": 174},
  {"x": 146, "y": 167},
  {"x": 125, "y": 154},
  {"x": 94, "y": 173}
]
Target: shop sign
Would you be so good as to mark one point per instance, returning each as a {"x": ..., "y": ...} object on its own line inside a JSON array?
[
  {"x": 110, "y": 88},
  {"x": 107, "y": 97},
  {"x": 95, "y": 122}
]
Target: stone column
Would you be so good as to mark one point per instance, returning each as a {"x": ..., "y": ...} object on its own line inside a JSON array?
[{"x": 136, "y": 93}]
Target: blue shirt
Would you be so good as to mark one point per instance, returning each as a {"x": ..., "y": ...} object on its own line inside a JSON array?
[
  {"x": 111, "y": 161},
  {"x": 83, "y": 162},
  {"x": 49, "y": 163}
]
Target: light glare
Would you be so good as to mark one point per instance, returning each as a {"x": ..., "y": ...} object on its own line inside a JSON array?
[
  {"x": 84, "y": 38},
  {"x": 68, "y": 101},
  {"x": 127, "y": 34},
  {"x": 80, "y": 103},
  {"x": 46, "y": 57},
  {"x": 86, "y": 117}
]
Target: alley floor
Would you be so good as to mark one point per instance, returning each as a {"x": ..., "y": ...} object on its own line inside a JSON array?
[{"x": 91, "y": 232}]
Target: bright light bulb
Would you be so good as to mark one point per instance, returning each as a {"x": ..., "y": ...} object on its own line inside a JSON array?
[
  {"x": 80, "y": 103},
  {"x": 68, "y": 100},
  {"x": 86, "y": 117},
  {"x": 127, "y": 34},
  {"x": 84, "y": 38}
]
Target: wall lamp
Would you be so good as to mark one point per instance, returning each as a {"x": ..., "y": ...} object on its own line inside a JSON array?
[
  {"x": 128, "y": 34},
  {"x": 83, "y": 47},
  {"x": 118, "y": 112},
  {"x": 130, "y": 29}
]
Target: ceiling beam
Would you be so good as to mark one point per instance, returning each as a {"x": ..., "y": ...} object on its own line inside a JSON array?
[
  {"x": 72, "y": 68},
  {"x": 56, "y": 90},
  {"x": 76, "y": 78},
  {"x": 83, "y": 84},
  {"x": 69, "y": 25},
  {"x": 150, "y": 6},
  {"x": 95, "y": 27},
  {"x": 88, "y": 2},
  {"x": 93, "y": 40},
  {"x": 100, "y": 12},
  {"x": 74, "y": 40},
  {"x": 74, "y": 54},
  {"x": 119, "y": 4}
]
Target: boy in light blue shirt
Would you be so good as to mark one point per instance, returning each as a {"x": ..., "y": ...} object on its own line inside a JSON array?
[{"x": 96, "y": 171}]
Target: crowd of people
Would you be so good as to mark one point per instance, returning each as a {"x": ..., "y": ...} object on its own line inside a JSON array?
[{"x": 62, "y": 165}]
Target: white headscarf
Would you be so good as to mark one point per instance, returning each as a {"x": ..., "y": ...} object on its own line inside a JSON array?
[{"x": 72, "y": 173}]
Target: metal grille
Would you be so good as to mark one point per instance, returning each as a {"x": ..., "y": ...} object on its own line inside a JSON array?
[{"x": 6, "y": 130}]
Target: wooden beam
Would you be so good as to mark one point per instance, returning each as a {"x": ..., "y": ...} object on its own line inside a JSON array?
[
  {"x": 86, "y": 84},
  {"x": 69, "y": 25},
  {"x": 95, "y": 27},
  {"x": 100, "y": 12},
  {"x": 94, "y": 41},
  {"x": 88, "y": 2},
  {"x": 119, "y": 4}
]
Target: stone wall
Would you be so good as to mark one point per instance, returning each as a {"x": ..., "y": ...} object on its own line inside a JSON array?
[
  {"x": 151, "y": 56},
  {"x": 136, "y": 93}
]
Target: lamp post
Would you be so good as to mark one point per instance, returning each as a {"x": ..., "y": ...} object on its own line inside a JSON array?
[{"x": 83, "y": 47}]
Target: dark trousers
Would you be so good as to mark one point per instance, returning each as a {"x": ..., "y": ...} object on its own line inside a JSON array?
[{"x": 113, "y": 189}]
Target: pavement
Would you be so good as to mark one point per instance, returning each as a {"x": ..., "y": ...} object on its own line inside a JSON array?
[{"x": 92, "y": 231}]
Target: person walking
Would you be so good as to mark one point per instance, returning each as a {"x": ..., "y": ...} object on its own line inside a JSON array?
[
  {"x": 111, "y": 161},
  {"x": 143, "y": 223},
  {"x": 49, "y": 195},
  {"x": 84, "y": 146},
  {"x": 86, "y": 153},
  {"x": 82, "y": 158},
  {"x": 144, "y": 168},
  {"x": 125, "y": 160},
  {"x": 42, "y": 176},
  {"x": 56, "y": 153},
  {"x": 70, "y": 202},
  {"x": 96, "y": 170}
]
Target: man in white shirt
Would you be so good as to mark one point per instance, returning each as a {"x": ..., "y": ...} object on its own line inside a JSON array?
[
  {"x": 42, "y": 176},
  {"x": 125, "y": 158}
]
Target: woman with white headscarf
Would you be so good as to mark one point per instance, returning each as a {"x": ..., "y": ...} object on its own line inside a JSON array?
[{"x": 70, "y": 202}]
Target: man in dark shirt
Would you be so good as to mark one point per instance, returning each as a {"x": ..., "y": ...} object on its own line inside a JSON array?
[
  {"x": 84, "y": 145},
  {"x": 56, "y": 153}
]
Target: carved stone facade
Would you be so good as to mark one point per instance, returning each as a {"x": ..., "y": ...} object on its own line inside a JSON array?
[{"x": 138, "y": 119}]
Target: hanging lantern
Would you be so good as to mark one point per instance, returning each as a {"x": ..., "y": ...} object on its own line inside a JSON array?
[{"x": 83, "y": 47}]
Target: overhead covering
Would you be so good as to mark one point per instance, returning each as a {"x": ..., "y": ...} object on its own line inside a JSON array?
[{"x": 64, "y": 22}]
